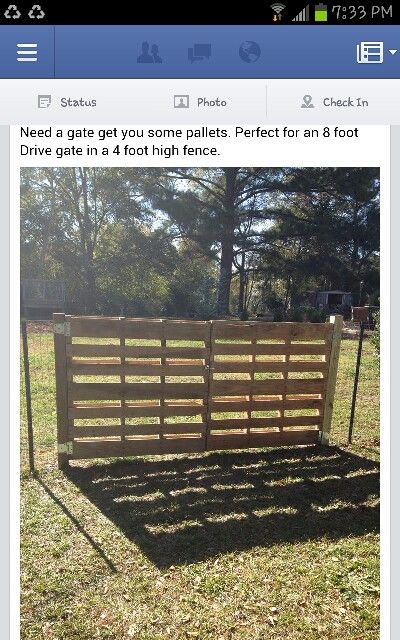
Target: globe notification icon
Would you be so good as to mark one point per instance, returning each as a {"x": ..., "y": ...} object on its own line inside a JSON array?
[{"x": 249, "y": 51}]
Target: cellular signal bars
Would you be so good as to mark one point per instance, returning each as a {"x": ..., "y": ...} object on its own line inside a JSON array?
[{"x": 303, "y": 16}]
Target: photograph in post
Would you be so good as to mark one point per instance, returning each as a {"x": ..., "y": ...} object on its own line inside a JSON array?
[{"x": 200, "y": 350}]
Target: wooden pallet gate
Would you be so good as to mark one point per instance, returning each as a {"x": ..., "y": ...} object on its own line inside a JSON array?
[{"x": 128, "y": 386}]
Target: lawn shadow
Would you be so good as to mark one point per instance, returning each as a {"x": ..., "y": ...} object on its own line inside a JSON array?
[
  {"x": 184, "y": 510},
  {"x": 74, "y": 520}
]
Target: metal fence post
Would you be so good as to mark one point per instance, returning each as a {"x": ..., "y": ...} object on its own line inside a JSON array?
[
  {"x": 28, "y": 396},
  {"x": 356, "y": 378}
]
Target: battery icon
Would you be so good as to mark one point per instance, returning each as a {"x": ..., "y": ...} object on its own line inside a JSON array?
[{"x": 321, "y": 12}]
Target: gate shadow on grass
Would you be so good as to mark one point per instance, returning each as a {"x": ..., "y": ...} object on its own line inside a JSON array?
[{"x": 184, "y": 510}]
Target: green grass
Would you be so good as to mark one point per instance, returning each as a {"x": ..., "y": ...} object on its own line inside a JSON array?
[{"x": 279, "y": 544}]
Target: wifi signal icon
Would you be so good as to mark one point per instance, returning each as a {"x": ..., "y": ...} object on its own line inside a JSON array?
[{"x": 277, "y": 7}]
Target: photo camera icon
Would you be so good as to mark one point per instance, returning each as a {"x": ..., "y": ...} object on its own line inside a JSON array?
[{"x": 199, "y": 52}]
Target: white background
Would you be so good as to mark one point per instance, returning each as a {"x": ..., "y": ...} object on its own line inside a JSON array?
[{"x": 372, "y": 148}]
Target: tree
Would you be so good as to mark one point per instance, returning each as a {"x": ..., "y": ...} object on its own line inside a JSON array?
[
  {"x": 211, "y": 207},
  {"x": 199, "y": 242},
  {"x": 64, "y": 211},
  {"x": 325, "y": 231}
]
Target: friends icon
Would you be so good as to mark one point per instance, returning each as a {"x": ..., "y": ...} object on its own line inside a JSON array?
[{"x": 149, "y": 55}]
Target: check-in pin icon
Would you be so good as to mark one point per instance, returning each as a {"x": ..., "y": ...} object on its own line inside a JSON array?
[{"x": 307, "y": 102}]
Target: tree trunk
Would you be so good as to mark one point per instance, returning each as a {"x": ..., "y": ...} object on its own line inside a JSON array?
[
  {"x": 90, "y": 292},
  {"x": 227, "y": 240},
  {"x": 225, "y": 277},
  {"x": 242, "y": 291},
  {"x": 287, "y": 294},
  {"x": 242, "y": 287}
]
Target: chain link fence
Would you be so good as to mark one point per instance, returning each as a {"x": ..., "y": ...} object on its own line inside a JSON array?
[{"x": 42, "y": 386}]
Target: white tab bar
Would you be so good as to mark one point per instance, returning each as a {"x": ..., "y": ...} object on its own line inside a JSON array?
[{"x": 185, "y": 102}]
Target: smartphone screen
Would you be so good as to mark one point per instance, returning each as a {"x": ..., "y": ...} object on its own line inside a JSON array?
[{"x": 199, "y": 255}]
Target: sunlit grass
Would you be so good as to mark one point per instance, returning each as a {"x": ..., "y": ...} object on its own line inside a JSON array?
[{"x": 225, "y": 546}]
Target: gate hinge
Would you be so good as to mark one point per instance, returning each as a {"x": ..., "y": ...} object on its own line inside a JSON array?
[
  {"x": 63, "y": 328},
  {"x": 65, "y": 447}
]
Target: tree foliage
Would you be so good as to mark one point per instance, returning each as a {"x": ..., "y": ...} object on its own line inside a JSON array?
[{"x": 199, "y": 242}]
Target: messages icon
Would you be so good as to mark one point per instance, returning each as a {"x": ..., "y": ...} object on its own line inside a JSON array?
[{"x": 199, "y": 52}]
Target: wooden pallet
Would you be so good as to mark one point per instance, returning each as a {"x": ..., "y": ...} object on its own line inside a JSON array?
[{"x": 129, "y": 386}]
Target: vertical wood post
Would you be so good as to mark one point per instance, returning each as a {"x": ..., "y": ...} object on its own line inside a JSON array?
[
  {"x": 208, "y": 376},
  {"x": 60, "y": 359},
  {"x": 122, "y": 378},
  {"x": 161, "y": 419},
  {"x": 337, "y": 322},
  {"x": 252, "y": 360},
  {"x": 285, "y": 376}
]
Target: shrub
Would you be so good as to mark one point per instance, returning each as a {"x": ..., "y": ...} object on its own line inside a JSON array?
[
  {"x": 316, "y": 315},
  {"x": 296, "y": 314},
  {"x": 376, "y": 336},
  {"x": 279, "y": 315},
  {"x": 344, "y": 310}
]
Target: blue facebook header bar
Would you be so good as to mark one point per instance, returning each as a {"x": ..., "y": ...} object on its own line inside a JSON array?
[{"x": 199, "y": 51}]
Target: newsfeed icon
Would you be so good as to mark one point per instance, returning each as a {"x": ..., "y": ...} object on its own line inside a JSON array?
[{"x": 370, "y": 53}]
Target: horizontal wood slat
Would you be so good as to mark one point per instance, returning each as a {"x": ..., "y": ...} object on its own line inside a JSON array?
[
  {"x": 228, "y": 406},
  {"x": 272, "y": 349},
  {"x": 117, "y": 449},
  {"x": 245, "y": 423},
  {"x": 118, "y": 351},
  {"x": 134, "y": 411},
  {"x": 271, "y": 439},
  {"x": 252, "y": 387},
  {"x": 139, "y": 390},
  {"x": 271, "y": 330},
  {"x": 241, "y": 366},
  {"x": 139, "y": 329},
  {"x": 92, "y": 431},
  {"x": 110, "y": 369}
]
